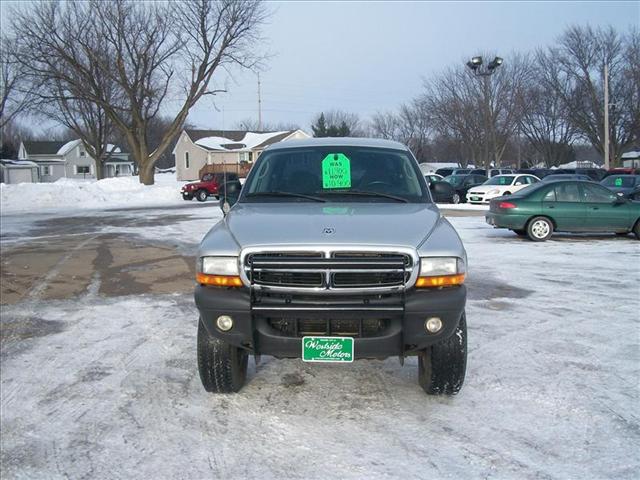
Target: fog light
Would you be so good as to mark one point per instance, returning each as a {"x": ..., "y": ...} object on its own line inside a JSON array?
[
  {"x": 433, "y": 325},
  {"x": 224, "y": 323}
]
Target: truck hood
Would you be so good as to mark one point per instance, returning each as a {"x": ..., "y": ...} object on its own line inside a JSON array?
[{"x": 334, "y": 224}]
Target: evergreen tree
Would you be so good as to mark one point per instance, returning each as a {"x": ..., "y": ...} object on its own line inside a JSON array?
[{"x": 320, "y": 127}]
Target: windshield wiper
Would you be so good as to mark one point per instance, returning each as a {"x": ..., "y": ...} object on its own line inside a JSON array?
[
  {"x": 367, "y": 194},
  {"x": 285, "y": 194}
]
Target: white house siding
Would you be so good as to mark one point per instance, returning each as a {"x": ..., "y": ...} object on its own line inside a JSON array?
[
  {"x": 74, "y": 160},
  {"x": 55, "y": 171},
  {"x": 197, "y": 158}
]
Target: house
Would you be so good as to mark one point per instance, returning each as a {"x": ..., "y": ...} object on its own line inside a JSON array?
[
  {"x": 18, "y": 171},
  {"x": 219, "y": 150},
  {"x": 631, "y": 159},
  {"x": 70, "y": 160}
]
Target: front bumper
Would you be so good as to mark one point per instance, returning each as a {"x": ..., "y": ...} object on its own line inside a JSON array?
[
  {"x": 482, "y": 198},
  {"x": 404, "y": 316}
]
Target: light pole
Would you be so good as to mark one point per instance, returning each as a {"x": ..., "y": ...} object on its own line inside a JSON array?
[
  {"x": 485, "y": 71},
  {"x": 606, "y": 116}
]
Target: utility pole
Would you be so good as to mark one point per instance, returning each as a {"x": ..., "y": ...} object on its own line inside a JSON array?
[
  {"x": 606, "y": 116},
  {"x": 259, "y": 106}
]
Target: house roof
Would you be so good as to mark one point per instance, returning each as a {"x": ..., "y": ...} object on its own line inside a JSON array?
[
  {"x": 60, "y": 148},
  {"x": 235, "y": 140},
  {"x": 43, "y": 148}
]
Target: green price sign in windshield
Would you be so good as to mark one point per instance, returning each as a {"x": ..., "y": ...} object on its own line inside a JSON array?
[
  {"x": 336, "y": 171},
  {"x": 618, "y": 182}
]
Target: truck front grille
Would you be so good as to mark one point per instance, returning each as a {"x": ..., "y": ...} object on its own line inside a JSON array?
[
  {"x": 329, "y": 270},
  {"x": 300, "y": 327}
]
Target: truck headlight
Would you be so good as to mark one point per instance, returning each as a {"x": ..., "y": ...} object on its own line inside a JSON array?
[
  {"x": 218, "y": 271},
  {"x": 441, "y": 272},
  {"x": 495, "y": 191}
]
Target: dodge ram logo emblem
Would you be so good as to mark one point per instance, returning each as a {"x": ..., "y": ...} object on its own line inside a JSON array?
[{"x": 329, "y": 230}]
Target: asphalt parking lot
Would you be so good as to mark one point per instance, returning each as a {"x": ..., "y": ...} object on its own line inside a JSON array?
[{"x": 99, "y": 378}]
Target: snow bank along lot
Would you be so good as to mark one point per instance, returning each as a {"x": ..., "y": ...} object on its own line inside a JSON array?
[
  {"x": 98, "y": 386},
  {"x": 75, "y": 194}
]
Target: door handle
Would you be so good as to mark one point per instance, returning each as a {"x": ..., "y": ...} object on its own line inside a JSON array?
[
  {"x": 595, "y": 208},
  {"x": 551, "y": 206}
]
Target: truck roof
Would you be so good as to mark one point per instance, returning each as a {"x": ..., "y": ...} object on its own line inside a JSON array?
[{"x": 338, "y": 142}]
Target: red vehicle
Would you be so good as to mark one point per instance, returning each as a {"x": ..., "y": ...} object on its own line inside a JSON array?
[
  {"x": 623, "y": 171},
  {"x": 208, "y": 186}
]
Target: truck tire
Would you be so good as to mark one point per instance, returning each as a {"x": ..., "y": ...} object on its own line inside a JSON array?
[
  {"x": 202, "y": 195},
  {"x": 455, "y": 199},
  {"x": 222, "y": 367},
  {"x": 636, "y": 229},
  {"x": 441, "y": 367}
]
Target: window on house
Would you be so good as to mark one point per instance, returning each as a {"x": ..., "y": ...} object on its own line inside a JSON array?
[
  {"x": 45, "y": 170},
  {"x": 244, "y": 156},
  {"x": 83, "y": 170},
  {"x": 186, "y": 159},
  {"x": 83, "y": 153}
]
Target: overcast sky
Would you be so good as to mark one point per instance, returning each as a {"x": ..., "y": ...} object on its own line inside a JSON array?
[{"x": 365, "y": 57}]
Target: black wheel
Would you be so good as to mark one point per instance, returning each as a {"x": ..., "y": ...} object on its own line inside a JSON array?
[
  {"x": 222, "y": 367},
  {"x": 520, "y": 233},
  {"x": 636, "y": 229},
  {"x": 441, "y": 367},
  {"x": 187, "y": 197},
  {"x": 202, "y": 195},
  {"x": 456, "y": 198},
  {"x": 506, "y": 193},
  {"x": 539, "y": 229}
]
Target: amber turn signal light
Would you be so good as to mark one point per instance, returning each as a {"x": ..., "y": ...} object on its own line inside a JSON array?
[
  {"x": 440, "y": 281},
  {"x": 218, "y": 280}
]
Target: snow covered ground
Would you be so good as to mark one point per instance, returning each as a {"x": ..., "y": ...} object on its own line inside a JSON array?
[
  {"x": 73, "y": 194},
  {"x": 107, "y": 387}
]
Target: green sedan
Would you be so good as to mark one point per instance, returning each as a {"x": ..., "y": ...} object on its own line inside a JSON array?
[{"x": 564, "y": 206}]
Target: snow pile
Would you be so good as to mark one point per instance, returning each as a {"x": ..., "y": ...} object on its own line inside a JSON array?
[
  {"x": 249, "y": 141},
  {"x": 87, "y": 194}
]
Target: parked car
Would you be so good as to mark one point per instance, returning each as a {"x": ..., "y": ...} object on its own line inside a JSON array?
[
  {"x": 596, "y": 174},
  {"x": 445, "y": 172},
  {"x": 621, "y": 184},
  {"x": 536, "y": 172},
  {"x": 442, "y": 192},
  {"x": 634, "y": 195},
  {"x": 564, "y": 206},
  {"x": 499, "y": 185},
  {"x": 208, "y": 186},
  {"x": 623, "y": 171},
  {"x": 462, "y": 183},
  {"x": 554, "y": 177},
  {"x": 492, "y": 171},
  {"x": 433, "y": 177},
  {"x": 331, "y": 252}
]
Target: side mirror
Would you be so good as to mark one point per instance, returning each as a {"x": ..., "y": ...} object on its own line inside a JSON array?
[
  {"x": 229, "y": 195},
  {"x": 619, "y": 199}
]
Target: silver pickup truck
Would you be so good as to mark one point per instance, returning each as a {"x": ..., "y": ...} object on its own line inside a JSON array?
[{"x": 332, "y": 251}]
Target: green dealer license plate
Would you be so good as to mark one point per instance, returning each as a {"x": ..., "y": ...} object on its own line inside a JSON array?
[{"x": 327, "y": 349}]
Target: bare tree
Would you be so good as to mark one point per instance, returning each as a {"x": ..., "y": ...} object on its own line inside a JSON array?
[
  {"x": 142, "y": 48},
  {"x": 544, "y": 117},
  {"x": 478, "y": 114},
  {"x": 581, "y": 56},
  {"x": 15, "y": 92}
]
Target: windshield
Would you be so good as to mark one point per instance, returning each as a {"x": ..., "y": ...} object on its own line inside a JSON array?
[
  {"x": 336, "y": 174},
  {"x": 500, "y": 180},
  {"x": 616, "y": 181},
  {"x": 455, "y": 179}
]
